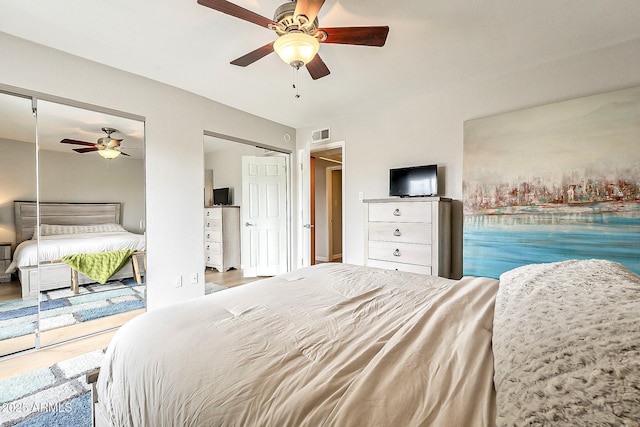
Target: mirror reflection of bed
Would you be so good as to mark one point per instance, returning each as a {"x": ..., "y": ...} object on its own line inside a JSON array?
[{"x": 71, "y": 179}]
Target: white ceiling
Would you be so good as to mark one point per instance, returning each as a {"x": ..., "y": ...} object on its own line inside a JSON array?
[
  {"x": 432, "y": 44},
  {"x": 57, "y": 122}
]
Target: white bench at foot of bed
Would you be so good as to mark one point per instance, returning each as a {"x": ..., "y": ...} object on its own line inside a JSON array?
[{"x": 58, "y": 276}]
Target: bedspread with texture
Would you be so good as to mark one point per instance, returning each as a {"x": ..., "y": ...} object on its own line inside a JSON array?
[{"x": 567, "y": 345}]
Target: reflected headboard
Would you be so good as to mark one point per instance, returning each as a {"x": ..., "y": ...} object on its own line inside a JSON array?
[{"x": 63, "y": 214}]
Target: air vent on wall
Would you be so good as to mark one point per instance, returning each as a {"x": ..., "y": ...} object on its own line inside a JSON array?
[{"x": 320, "y": 135}]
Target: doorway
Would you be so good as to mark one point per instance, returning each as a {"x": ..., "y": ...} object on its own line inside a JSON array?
[{"x": 326, "y": 203}]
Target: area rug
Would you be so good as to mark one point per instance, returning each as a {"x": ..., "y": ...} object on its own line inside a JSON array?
[
  {"x": 210, "y": 288},
  {"x": 61, "y": 307},
  {"x": 55, "y": 396}
]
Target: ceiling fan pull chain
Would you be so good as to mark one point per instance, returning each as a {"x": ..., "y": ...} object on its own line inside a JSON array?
[{"x": 296, "y": 74}]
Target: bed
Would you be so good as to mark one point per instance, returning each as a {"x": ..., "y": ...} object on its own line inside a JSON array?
[
  {"x": 343, "y": 345},
  {"x": 67, "y": 229}
]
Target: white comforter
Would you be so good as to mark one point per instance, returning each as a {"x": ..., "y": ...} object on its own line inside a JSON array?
[
  {"x": 55, "y": 247},
  {"x": 330, "y": 345}
]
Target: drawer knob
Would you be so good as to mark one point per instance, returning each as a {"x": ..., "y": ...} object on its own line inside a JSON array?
[
  {"x": 397, "y": 233},
  {"x": 396, "y": 252},
  {"x": 396, "y": 212}
]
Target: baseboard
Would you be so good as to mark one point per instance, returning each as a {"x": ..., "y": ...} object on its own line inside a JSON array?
[
  {"x": 322, "y": 259},
  {"x": 335, "y": 257}
]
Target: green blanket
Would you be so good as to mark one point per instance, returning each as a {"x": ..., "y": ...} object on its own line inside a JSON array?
[{"x": 99, "y": 266}]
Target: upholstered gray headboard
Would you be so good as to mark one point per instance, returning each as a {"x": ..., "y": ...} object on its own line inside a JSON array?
[{"x": 63, "y": 214}]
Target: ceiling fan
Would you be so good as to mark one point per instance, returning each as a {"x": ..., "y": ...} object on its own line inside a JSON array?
[
  {"x": 107, "y": 147},
  {"x": 299, "y": 34}
]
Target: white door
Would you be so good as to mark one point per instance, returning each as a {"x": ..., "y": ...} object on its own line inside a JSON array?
[
  {"x": 264, "y": 215},
  {"x": 304, "y": 208}
]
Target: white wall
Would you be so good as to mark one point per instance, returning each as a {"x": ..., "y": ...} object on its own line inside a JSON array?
[
  {"x": 68, "y": 177},
  {"x": 428, "y": 128},
  {"x": 17, "y": 182},
  {"x": 227, "y": 168},
  {"x": 175, "y": 122},
  {"x": 71, "y": 177}
]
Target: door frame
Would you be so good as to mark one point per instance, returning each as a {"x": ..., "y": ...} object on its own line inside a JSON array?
[
  {"x": 329, "y": 180},
  {"x": 289, "y": 163},
  {"x": 304, "y": 190}
]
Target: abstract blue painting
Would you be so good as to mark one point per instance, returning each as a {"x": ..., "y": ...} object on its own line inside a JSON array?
[{"x": 554, "y": 182}]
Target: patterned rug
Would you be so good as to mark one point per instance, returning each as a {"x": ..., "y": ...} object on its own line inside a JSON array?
[
  {"x": 61, "y": 307},
  {"x": 210, "y": 288},
  {"x": 55, "y": 396}
]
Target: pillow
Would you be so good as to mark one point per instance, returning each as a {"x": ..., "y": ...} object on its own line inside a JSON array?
[{"x": 55, "y": 230}]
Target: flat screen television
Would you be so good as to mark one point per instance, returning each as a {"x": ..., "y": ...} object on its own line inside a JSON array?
[
  {"x": 221, "y": 196},
  {"x": 414, "y": 181}
]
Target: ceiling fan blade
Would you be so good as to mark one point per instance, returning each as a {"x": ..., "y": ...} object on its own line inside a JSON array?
[
  {"x": 362, "y": 36},
  {"x": 237, "y": 11},
  {"x": 124, "y": 154},
  {"x": 317, "y": 68},
  {"x": 73, "y": 141},
  {"x": 252, "y": 57},
  {"x": 308, "y": 8},
  {"x": 85, "y": 150}
]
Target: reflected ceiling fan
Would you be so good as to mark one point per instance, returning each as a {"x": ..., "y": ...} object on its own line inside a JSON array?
[
  {"x": 107, "y": 147},
  {"x": 299, "y": 34}
]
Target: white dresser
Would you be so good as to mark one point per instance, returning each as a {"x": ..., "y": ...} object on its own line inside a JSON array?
[
  {"x": 222, "y": 237},
  {"x": 409, "y": 234}
]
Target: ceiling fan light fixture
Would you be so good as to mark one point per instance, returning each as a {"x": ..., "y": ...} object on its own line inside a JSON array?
[
  {"x": 296, "y": 49},
  {"x": 109, "y": 153}
]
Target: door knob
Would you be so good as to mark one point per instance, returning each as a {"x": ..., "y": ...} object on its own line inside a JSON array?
[
  {"x": 248, "y": 224},
  {"x": 308, "y": 226}
]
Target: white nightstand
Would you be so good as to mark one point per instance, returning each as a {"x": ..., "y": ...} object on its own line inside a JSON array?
[{"x": 5, "y": 260}]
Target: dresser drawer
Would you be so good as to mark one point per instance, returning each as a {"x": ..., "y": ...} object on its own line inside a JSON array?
[
  {"x": 213, "y": 248},
  {"x": 4, "y": 277},
  {"x": 404, "y": 232},
  {"x": 410, "y": 268},
  {"x": 212, "y": 236},
  {"x": 400, "y": 212},
  {"x": 213, "y": 225},
  {"x": 5, "y": 252},
  {"x": 406, "y": 253},
  {"x": 213, "y": 260},
  {"x": 213, "y": 214}
]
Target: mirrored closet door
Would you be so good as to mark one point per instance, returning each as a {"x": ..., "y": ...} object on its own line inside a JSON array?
[
  {"x": 72, "y": 217},
  {"x": 247, "y": 193},
  {"x": 91, "y": 221},
  {"x": 18, "y": 315}
]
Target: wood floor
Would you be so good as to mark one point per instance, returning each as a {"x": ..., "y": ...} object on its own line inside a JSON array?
[
  {"x": 48, "y": 355},
  {"x": 229, "y": 278},
  {"x": 10, "y": 290}
]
